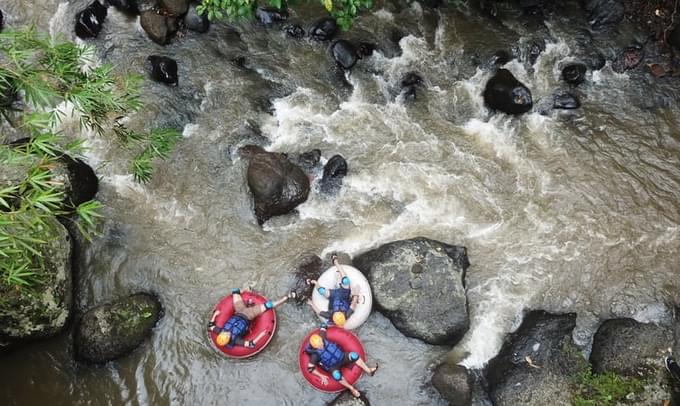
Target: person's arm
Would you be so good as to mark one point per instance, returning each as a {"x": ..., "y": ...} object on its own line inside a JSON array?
[
  {"x": 324, "y": 378},
  {"x": 257, "y": 339},
  {"x": 211, "y": 323}
]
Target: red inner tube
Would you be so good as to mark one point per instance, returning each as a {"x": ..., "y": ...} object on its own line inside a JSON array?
[
  {"x": 264, "y": 322},
  {"x": 351, "y": 372}
]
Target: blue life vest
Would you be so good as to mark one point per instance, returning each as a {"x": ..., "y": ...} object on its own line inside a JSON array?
[
  {"x": 339, "y": 300},
  {"x": 237, "y": 326},
  {"x": 331, "y": 356}
]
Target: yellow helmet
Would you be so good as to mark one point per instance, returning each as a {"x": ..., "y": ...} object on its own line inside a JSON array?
[
  {"x": 339, "y": 319},
  {"x": 223, "y": 338},
  {"x": 316, "y": 341}
]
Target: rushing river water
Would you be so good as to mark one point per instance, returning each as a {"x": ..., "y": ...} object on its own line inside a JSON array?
[{"x": 570, "y": 212}]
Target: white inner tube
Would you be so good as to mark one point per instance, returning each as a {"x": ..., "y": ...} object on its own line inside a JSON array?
[{"x": 330, "y": 279}]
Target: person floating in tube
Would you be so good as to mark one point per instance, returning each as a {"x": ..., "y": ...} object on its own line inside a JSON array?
[
  {"x": 331, "y": 358},
  {"x": 341, "y": 301},
  {"x": 236, "y": 327}
]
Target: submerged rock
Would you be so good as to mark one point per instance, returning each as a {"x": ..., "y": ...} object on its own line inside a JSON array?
[
  {"x": 277, "y": 185},
  {"x": 419, "y": 284},
  {"x": 537, "y": 363},
  {"x": 454, "y": 383},
  {"x": 333, "y": 172},
  {"x": 294, "y": 31},
  {"x": 563, "y": 100},
  {"x": 409, "y": 85},
  {"x": 535, "y": 49},
  {"x": 163, "y": 69},
  {"x": 90, "y": 20},
  {"x": 345, "y": 54},
  {"x": 195, "y": 22},
  {"x": 129, "y": 7},
  {"x": 270, "y": 15},
  {"x": 160, "y": 28},
  {"x": 604, "y": 13},
  {"x": 574, "y": 73},
  {"x": 324, "y": 29},
  {"x": 505, "y": 93},
  {"x": 109, "y": 331}
]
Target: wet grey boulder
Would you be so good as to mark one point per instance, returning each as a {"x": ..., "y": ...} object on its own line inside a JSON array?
[
  {"x": 163, "y": 69},
  {"x": 160, "y": 28},
  {"x": 310, "y": 267},
  {"x": 419, "y": 284},
  {"x": 324, "y": 29},
  {"x": 629, "y": 348},
  {"x": 454, "y": 383},
  {"x": 505, "y": 93},
  {"x": 574, "y": 73},
  {"x": 563, "y": 100},
  {"x": 333, "y": 173},
  {"x": 109, "y": 331},
  {"x": 346, "y": 399},
  {"x": 270, "y": 15},
  {"x": 345, "y": 54},
  {"x": 195, "y": 22},
  {"x": 41, "y": 313},
  {"x": 604, "y": 13},
  {"x": 89, "y": 22},
  {"x": 175, "y": 7},
  {"x": 129, "y": 7},
  {"x": 277, "y": 184},
  {"x": 537, "y": 363}
]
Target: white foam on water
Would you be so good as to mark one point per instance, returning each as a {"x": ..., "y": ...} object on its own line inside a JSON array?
[{"x": 384, "y": 14}]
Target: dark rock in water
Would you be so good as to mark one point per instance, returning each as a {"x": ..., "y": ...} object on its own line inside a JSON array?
[
  {"x": 175, "y": 7},
  {"x": 604, "y": 13},
  {"x": 158, "y": 27},
  {"x": 574, "y": 73},
  {"x": 535, "y": 50},
  {"x": 345, "y": 54},
  {"x": 409, "y": 84},
  {"x": 309, "y": 268},
  {"x": 129, "y": 7},
  {"x": 163, "y": 69},
  {"x": 89, "y": 21},
  {"x": 366, "y": 49},
  {"x": 195, "y": 22},
  {"x": 309, "y": 160},
  {"x": 2, "y": 21},
  {"x": 346, "y": 399},
  {"x": 419, "y": 284},
  {"x": 109, "y": 331},
  {"x": 629, "y": 348},
  {"x": 500, "y": 58},
  {"x": 294, "y": 31},
  {"x": 629, "y": 59},
  {"x": 673, "y": 37},
  {"x": 454, "y": 383},
  {"x": 277, "y": 185},
  {"x": 269, "y": 15},
  {"x": 565, "y": 100},
  {"x": 333, "y": 172},
  {"x": 324, "y": 29},
  {"x": 540, "y": 358},
  {"x": 83, "y": 182},
  {"x": 505, "y": 93}
]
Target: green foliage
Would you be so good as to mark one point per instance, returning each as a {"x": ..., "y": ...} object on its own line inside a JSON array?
[
  {"x": 344, "y": 11},
  {"x": 603, "y": 389}
]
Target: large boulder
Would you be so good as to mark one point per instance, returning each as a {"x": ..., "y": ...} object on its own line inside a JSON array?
[
  {"x": 31, "y": 313},
  {"x": 277, "y": 184},
  {"x": 454, "y": 383},
  {"x": 160, "y": 28},
  {"x": 505, "y": 93},
  {"x": 419, "y": 284},
  {"x": 109, "y": 331},
  {"x": 629, "y": 348},
  {"x": 333, "y": 172},
  {"x": 345, "y": 54},
  {"x": 537, "y": 363},
  {"x": 175, "y": 7}
]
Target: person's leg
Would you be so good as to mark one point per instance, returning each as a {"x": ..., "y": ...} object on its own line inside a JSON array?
[
  {"x": 255, "y": 311},
  {"x": 354, "y": 357},
  {"x": 337, "y": 375},
  {"x": 237, "y": 299}
]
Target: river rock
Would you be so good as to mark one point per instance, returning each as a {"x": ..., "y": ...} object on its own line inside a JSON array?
[
  {"x": 537, "y": 363},
  {"x": 309, "y": 160},
  {"x": 345, "y": 54},
  {"x": 163, "y": 69},
  {"x": 31, "y": 314},
  {"x": 90, "y": 20},
  {"x": 109, "y": 331},
  {"x": 419, "y": 284},
  {"x": 324, "y": 29},
  {"x": 505, "y": 93},
  {"x": 333, "y": 172},
  {"x": 175, "y": 7},
  {"x": 160, "y": 28},
  {"x": 604, "y": 13},
  {"x": 129, "y": 7},
  {"x": 409, "y": 85},
  {"x": 346, "y": 399},
  {"x": 629, "y": 348},
  {"x": 454, "y": 383},
  {"x": 277, "y": 185},
  {"x": 270, "y": 15},
  {"x": 195, "y": 22},
  {"x": 563, "y": 100},
  {"x": 574, "y": 73},
  {"x": 294, "y": 31},
  {"x": 309, "y": 268}
]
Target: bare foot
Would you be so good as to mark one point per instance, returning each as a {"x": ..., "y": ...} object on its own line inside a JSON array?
[
  {"x": 355, "y": 393},
  {"x": 372, "y": 370}
]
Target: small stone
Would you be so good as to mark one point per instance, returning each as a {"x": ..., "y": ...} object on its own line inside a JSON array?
[{"x": 163, "y": 69}]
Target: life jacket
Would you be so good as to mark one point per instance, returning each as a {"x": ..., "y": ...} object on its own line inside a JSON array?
[
  {"x": 339, "y": 300},
  {"x": 331, "y": 356},
  {"x": 237, "y": 325}
]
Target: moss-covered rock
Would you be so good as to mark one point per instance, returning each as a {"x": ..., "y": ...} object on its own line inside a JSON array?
[{"x": 109, "y": 331}]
